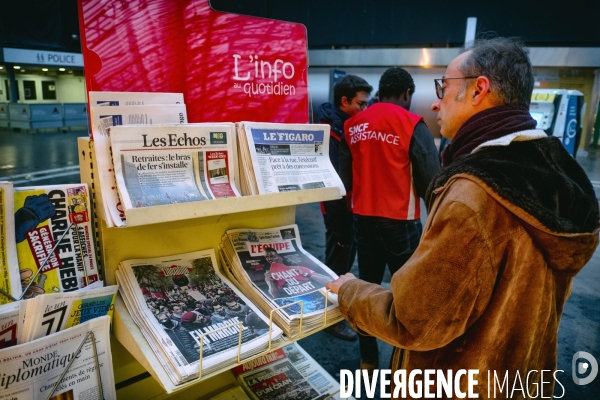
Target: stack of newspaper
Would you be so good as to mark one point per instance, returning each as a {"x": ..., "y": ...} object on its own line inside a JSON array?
[
  {"x": 51, "y": 313},
  {"x": 32, "y": 370},
  {"x": 10, "y": 282},
  {"x": 161, "y": 164},
  {"x": 285, "y": 157},
  {"x": 9, "y": 324},
  {"x": 286, "y": 373},
  {"x": 30, "y": 319},
  {"x": 273, "y": 269},
  {"x": 109, "y": 109},
  {"x": 184, "y": 308}
]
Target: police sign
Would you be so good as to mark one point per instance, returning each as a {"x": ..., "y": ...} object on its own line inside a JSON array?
[{"x": 45, "y": 57}]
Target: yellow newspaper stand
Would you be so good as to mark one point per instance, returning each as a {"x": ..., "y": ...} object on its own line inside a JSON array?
[{"x": 172, "y": 229}]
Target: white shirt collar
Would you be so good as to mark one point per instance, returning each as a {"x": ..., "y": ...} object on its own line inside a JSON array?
[{"x": 521, "y": 136}]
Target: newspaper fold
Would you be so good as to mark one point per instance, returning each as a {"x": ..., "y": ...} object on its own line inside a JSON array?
[
  {"x": 44, "y": 315},
  {"x": 10, "y": 325},
  {"x": 110, "y": 99}
]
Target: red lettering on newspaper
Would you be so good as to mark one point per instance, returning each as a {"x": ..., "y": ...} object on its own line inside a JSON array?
[{"x": 41, "y": 243}]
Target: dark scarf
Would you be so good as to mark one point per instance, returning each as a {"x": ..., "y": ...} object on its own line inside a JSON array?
[
  {"x": 487, "y": 125},
  {"x": 539, "y": 176}
]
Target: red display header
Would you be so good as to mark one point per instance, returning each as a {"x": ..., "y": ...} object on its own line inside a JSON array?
[{"x": 229, "y": 67}]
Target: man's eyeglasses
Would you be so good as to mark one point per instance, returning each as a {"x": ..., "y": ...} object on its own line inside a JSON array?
[
  {"x": 362, "y": 104},
  {"x": 439, "y": 90}
]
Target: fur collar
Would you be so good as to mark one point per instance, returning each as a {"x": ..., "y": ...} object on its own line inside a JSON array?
[{"x": 539, "y": 176}]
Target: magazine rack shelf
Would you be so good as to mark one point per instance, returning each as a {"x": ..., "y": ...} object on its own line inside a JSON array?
[
  {"x": 184, "y": 211},
  {"x": 174, "y": 229}
]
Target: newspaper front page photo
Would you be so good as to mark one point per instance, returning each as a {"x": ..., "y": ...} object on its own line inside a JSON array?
[{"x": 181, "y": 301}]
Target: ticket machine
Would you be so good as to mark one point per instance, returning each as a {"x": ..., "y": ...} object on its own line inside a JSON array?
[{"x": 559, "y": 113}]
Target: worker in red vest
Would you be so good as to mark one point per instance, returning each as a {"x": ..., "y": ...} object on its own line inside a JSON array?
[{"x": 387, "y": 159}]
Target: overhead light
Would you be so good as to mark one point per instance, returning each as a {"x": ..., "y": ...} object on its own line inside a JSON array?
[
  {"x": 1, "y": 67},
  {"x": 22, "y": 70},
  {"x": 70, "y": 72},
  {"x": 61, "y": 69},
  {"x": 16, "y": 67},
  {"x": 45, "y": 69}
]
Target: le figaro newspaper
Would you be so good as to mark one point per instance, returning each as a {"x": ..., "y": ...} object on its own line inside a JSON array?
[
  {"x": 158, "y": 165},
  {"x": 289, "y": 157},
  {"x": 30, "y": 371}
]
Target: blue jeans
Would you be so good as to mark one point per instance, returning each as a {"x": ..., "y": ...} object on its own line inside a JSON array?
[{"x": 380, "y": 242}]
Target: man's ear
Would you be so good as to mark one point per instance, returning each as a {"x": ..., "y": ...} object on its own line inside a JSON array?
[
  {"x": 482, "y": 89},
  {"x": 407, "y": 94},
  {"x": 345, "y": 101}
]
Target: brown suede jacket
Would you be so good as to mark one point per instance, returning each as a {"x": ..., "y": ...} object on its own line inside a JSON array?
[{"x": 486, "y": 287}]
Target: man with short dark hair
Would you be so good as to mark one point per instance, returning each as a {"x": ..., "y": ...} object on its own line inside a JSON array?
[
  {"x": 512, "y": 219},
  {"x": 235, "y": 309},
  {"x": 219, "y": 315},
  {"x": 177, "y": 313},
  {"x": 387, "y": 159},
  {"x": 350, "y": 96}
]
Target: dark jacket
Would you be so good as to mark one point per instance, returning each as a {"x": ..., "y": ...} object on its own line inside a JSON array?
[
  {"x": 184, "y": 341},
  {"x": 336, "y": 211},
  {"x": 335, "y": 118}
]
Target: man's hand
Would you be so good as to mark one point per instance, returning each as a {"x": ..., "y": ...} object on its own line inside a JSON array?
[{"x": 337, "y": 284}]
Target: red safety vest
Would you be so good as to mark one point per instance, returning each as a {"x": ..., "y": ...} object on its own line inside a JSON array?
[{"x": 379, "y": 141}]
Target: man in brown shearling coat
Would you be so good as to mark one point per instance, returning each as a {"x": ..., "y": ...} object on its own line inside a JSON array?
[{"x": 512, "y": 219}]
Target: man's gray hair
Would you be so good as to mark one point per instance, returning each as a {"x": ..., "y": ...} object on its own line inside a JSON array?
[{"x": 505, "y": 62}]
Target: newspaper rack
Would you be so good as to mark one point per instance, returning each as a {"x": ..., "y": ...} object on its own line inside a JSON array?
[
  {"x": 199, "y": 209},
  {"x": 97, "y": 365},
  {"x": 144, "y": 237},
  {"x": 129, "y": 334},
  {"x": 300, "y": 335},
  {"x": 240, "y": 326},
  {"x": 269, "y": 348}
]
